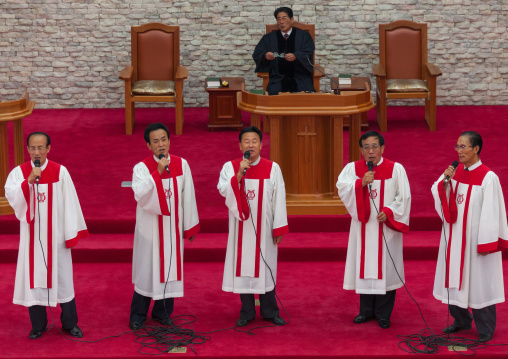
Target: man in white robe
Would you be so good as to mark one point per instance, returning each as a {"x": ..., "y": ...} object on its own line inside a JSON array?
[
  {"x": 369, "y": 269},
  {"x": 43, "y": 196},
  {"x": 166, "y": 214},
  {"x": 257, "y": 221},
  {"x": 469, "y": 271}
]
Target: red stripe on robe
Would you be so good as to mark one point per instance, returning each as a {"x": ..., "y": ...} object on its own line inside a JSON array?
[
  {"x": 177, "y": 234},
  {"x": 259, "y": 227},
  {"x": 380, "y": 241}
]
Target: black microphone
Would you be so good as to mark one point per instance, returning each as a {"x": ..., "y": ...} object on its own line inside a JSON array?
[
  {"x": 454, "y": 165},
  {"x": 328, "y": 77},
  {"x": 37, "y": 163},
  {"x": 370, "y": 165},
  {"x": 246, "y": 155},
  {"x": 161, "y": 156}
]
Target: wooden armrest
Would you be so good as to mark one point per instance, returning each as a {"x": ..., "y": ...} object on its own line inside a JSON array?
[
  {"x": 433, "y": 70},
  {"x": 378, "y": 70},
  {"x": 181, "y": 72},
  {"x": 263, "y": 75},
  {"x": 317, "y": 73},
  {"x": 126, "y": 73}
]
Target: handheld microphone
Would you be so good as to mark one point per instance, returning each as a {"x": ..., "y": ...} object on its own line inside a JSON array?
[
  {"x": 246, "y": 155},
  {"x": 37, "y": 163},
  {"x": 370, "y": 165},
  {"x": 454, "y": 165},
  {"x": 161, "y": 156},
  {"x": 328, "y": 77}
]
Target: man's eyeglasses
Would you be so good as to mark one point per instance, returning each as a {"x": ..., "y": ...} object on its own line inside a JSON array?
[
  {"x": 461, "y": 147},
  {"x": 368, "y": 148}
]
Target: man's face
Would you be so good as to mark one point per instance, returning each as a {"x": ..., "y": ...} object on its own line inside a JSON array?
[
  {"x": 284, "y": 22},
  {"x": 252, "y": 143},
  {"x": 371, "y": 151},
  {"x": 159, "y": 143},
  {"x": 38, "y": 148},
  {"x": 468, "y": 156}
]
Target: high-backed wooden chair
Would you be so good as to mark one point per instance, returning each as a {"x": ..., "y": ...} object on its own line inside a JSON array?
[
  {"x": 403, "y": 71},
  {"x": 155, "y": 74},
  {"x": 311, "y": 29}
]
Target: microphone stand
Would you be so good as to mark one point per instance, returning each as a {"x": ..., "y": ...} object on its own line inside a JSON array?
[{"x": 337, "y": 91}]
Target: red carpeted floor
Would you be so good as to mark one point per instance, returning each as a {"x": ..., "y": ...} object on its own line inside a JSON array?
[{"x": 92, "y": 145}]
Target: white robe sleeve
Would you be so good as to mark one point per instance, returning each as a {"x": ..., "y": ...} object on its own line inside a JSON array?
[
  {"x": 145, "y": 191},
  {"x": 492, "y": 226},
  {"x": 190, "y": 208},
  {"x": 228, "y": 187},
  {"x": 347, "y": 185},
  {"x": 398, "y": 210},
  {"x": 16, "y": 191},
  {"x": 280, "y": 220},
  {"x": 75, "y": 227}
]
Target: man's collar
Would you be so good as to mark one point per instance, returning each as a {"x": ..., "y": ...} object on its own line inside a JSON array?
[
  {"x": 475, "y": 166},
  {"x": 289, "y": 32},
  {"x": 379, "y": 163},
  {"x": 256, "y": 161},
  {"x": 43, "y": 167},
  {"x": 157, "y": 158}
]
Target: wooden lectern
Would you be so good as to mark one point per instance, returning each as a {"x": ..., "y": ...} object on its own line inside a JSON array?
[
  {"x": 306, "y": 140},
  {"x": 13, "y": 111}
]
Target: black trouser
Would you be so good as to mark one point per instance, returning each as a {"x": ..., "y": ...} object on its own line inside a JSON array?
[
  {"x": 268, "y": 306},
  {"x": 377, "y": 305},
  {"x": 39, "y": 317},
  {"x": 162, "y": 308},
  {"x": 484, "y": 318}
]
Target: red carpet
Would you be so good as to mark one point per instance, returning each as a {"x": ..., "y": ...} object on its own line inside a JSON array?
[{"x": 91, "y": 144}]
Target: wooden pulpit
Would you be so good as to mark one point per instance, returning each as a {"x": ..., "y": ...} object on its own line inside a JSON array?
[
  {"x": 306, "y": 140},
  {"x": 13, "y": 111}
]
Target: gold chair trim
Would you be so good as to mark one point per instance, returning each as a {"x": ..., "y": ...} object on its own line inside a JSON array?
[
  {"x": 406, "y": 85},
  {"x": 153, "y": 88}
]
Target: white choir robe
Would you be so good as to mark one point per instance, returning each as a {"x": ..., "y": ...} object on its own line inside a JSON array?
[
  {"x": 158, "y": 242},
  {"x": 474, "y": 223},
  {"x": 61, "y": 225},
  {"x": 244, "y": 270},
  {"x": 369, "y": 269}
]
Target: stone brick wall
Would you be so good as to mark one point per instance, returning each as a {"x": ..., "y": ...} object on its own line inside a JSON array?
[{"x": 68, "y": 53}]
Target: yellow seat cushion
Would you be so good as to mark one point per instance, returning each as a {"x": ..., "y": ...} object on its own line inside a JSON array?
[
  {"x": 153, "y": 88},
  {"x": 405, "y": 85}
]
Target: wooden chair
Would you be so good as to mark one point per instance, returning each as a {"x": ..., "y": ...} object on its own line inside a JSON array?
[
  {"x": 403, "y": 71},
  {"x": 311, "y": 29},
  {"x": 155, "y": 74}
]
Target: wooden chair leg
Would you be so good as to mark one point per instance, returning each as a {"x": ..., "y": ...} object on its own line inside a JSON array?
[
  {"x": 179, "y": 115},
  {"x": 381, "y": 111},
  {"x": 430, "y": 112},
  {"x": 129, "y": 116}
]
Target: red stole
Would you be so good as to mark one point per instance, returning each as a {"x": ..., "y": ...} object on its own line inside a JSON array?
[
  {"x": 260, "y": 172},
  {"x": 175, "y": 169},
  {"x": 363, "y": 203},
  {"x": 450, "y": 212},
  {"x": 49, "y": 176}
]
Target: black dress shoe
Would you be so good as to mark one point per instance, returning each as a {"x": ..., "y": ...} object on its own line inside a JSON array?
[
  {"x": 167, "y": 322},
  {"x": 277, "y": 320},
  {"x": 485, "y": 337},
  {"x": 34, "y": 334},
  {"x": 360, "y": 319},
  {"x": 454, "y": 328},
  {"x": 136, "y": 325},
  {"x": 75, "y": 332},
  {"x": 384, "y": 323},
  {"x": 242, "y": 322}
]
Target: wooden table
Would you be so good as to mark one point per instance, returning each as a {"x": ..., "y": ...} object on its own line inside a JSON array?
[
  {"x": 357, "y": 84},
  {"x": 223, "y": 109},
  {"x": 13, "y": 111},
  {"x": 306, "y": 140}
]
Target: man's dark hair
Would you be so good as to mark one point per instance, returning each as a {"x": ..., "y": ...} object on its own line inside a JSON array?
[
  {"x": 372, "y": 134},
  {"x": 251, "y": 129},
  {"x": 48, "y": 140},
  {"x": 474, "y": 138},
  {"x": 283, "y": 9},
  {"x": 154, "y": 127}
]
